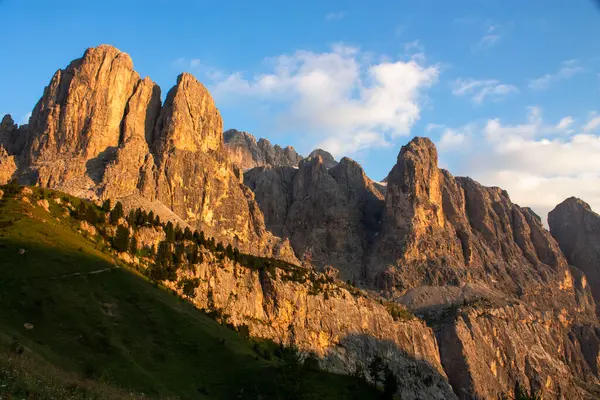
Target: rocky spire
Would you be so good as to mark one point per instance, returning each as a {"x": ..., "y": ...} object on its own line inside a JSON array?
[
  {"x": 189, "y": 119},
  {"x": 576, "y": 228}
]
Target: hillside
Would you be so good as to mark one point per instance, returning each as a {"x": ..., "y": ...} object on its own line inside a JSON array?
[{"x": 90, "y": 327}]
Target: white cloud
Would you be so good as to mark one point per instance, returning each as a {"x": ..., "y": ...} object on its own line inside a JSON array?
[
  {"x": 567, "y": 70},
  {"x": 491, "y": 38},
  {"x": 335, "y": 15},
  {"x": 480, "y": 90},
  {"x": 451, "y": 139},
  {"x": 493, "y": 32},
  {"x": 593, "y": 123},
  {"x": 540, "y": 164},
  {"x": 340, "y": 99}
]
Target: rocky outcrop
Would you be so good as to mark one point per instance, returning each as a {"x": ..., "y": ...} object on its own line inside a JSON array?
[
  {"x": 328, "y": 160},
  {"x": 576, "y": 228},
  {"x": 247, "y": 153},
  {"x": 100, "y": 131},
  {"x": 344, "y": 330},
  {"x": 485, "y": 351},
  {"x": 331, "y": 215},
  {"x": 440, "y": 230}
]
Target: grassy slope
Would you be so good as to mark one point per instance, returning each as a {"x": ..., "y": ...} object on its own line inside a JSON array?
[{"x": 118, "y": 330}]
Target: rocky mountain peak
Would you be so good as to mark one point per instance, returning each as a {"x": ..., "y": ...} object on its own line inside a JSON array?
[
  {"x": 414, "y": 193},
  {"x": 328, "y": 160},
  {"x": 576, "y": 228},
  {"x": 245, "y": 151},
  {"x": 76, "y": 126},
  {"x": 189, "y": 119}
]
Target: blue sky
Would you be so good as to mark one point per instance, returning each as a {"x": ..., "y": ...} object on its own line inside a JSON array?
[{"x": 509, "y": 90}]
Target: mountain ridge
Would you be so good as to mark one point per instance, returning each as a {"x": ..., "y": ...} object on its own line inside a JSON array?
[{"x": 471, "y": 262}]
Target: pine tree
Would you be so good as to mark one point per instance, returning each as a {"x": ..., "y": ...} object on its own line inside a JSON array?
[
  {"x": 106, "y": 205},
  {"x": 121, "y": 239},
  {"x": 187, "y": 234},
  {"x": 169, "y": 232},
  {"x": 91, "y": 216},
  {"x": 116, "y": 213},
  {"x": 194, "y": 258},
  {"x": 390, "y": 384},
  {"x": 220, "y": 247},
  {"x": 81, "y": 210},
  {"x": 375, "y": 368},
  {"x": 150, "y": 219},
  {"x": 157, "y": 221},
  {"x": 133, "y": 245},
  {"x": 178, "y": 234},
  {"x": 131, "y": 218}
]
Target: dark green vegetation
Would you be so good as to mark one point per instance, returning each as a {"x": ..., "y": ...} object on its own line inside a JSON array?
[{"x": 73, "y": 324}]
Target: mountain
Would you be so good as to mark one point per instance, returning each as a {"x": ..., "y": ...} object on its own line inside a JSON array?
[
  {"x": 246, "y": 152},
  {"x": 329, "y": 211},
  {"x": 482, "y": 271},
  {"x": 80, "y": 321},
  {"x": 576, "y": 228},
  {"x": 327, "y": 261},
  {"x": 100, "y": 131}
]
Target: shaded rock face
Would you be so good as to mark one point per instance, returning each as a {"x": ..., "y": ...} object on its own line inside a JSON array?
[
  {"x": 330, "y": 215},
  {"x": 440, "y": 230},
  {"x": 429, "y": 239},
  {"x": 345, "y": 331},
  {"x": 247, "y": 153},
  {"x": 443, "y": 243},
  {"x": 576, "y": 228},
  {"x": 485, "y": 351},
  {"x": 100, "y": 131},
  {"x": 328, "y": 160}
]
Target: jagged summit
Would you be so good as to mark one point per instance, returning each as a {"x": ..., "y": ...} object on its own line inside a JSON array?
[
  {"x": 100, "y": 131},
  {"x": 576, "y": 228},
  {"x": 328, "y": 160},
  {"x": 245, "y": 151},
  {"x": 429, "y": 239}
]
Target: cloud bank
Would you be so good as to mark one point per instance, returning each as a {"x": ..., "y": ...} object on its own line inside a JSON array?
[{"x": 341, "y": 99}]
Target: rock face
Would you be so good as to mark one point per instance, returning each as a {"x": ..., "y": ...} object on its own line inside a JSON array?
[
  {"x": 527, "y": 317},
  {"x": 247, "y": 153},
  {"x": 330, "y": 214},
  {"x": 439, "y": 230},
  {"x": 328, "y": 160},
  {"x": 492, "y": 283},
  {"x": 343, "y": 330},
  {"x": 576, "y": 228},
  {"x": 100, "y": 131}
]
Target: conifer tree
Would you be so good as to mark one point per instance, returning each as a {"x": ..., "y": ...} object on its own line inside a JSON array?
[
  {"x": 133, "y": 245},
  {"x": 169, "y": 232},
  {"x": 121, "y": 239},
  {"x": 187, "y": 234},
  {"x": 116, "y": 213}
]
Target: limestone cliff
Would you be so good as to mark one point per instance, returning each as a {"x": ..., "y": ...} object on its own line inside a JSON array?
[
  {"x": 483, "y": 272},
  {"x": 330, "y": 214},
  {"x": 100, "y": 131},
  {"x": 247, "y": 153},
  {"x": 576, "y": 228},
  {"x": 344, "y": 330}
]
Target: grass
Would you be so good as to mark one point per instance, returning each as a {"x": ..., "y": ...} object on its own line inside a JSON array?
[{"x": 110, "y": 334}]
